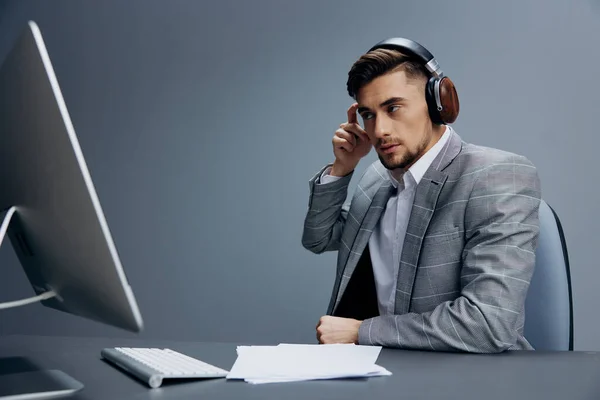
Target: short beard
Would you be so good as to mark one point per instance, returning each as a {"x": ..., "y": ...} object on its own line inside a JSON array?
[{"x": 408, "y": 158}]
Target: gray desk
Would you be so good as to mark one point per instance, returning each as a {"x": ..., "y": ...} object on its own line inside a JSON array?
[{"x": 416, "y": 375}]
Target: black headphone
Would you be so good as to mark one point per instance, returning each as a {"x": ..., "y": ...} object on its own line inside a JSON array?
[{"x": 440, "y": 93}]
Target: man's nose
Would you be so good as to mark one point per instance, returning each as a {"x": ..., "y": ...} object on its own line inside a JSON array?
[{"x": 381, "y": 127}]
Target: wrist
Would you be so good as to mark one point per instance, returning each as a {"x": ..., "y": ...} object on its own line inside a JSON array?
[
  {"x": 340, "y": 170},
  {"x": 358, "y": 324}
]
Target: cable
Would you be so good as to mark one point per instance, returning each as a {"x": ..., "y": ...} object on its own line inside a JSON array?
[{"x": 17, "y": 303}]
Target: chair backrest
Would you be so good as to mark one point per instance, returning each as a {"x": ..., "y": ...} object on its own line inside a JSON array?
[{"x": 549, "y": 303}]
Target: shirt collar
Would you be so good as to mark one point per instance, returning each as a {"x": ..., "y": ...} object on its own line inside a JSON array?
[{"x": 418, "y": 169}]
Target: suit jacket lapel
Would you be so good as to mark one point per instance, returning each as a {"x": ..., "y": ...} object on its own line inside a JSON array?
[{"x": 426, "y": 197}]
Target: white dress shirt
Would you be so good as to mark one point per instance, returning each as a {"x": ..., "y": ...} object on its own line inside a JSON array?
[{"x": 387, "y": 239}]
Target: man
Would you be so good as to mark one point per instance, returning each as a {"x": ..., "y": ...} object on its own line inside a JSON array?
[{"x": 437, "y": 247}]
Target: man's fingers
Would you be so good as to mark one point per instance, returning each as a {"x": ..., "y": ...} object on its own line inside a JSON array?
[
  {"x": 319, "y": 325},
  {"x": 348, "y": 136},
  {"x": 319, "y": 330},
  {"x": 341, "y": 143},
  {"x": 352, "y": 118},
  {"x": 356, "y": 130}
]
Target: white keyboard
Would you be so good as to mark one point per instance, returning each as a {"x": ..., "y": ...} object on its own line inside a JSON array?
[{"x": 152, "y": 365}]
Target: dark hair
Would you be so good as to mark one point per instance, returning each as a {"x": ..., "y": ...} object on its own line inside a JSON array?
[{"x": 379, "y": 62}]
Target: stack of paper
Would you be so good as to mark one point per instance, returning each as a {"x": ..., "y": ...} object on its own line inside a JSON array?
[{"x": 292, "y": 362}]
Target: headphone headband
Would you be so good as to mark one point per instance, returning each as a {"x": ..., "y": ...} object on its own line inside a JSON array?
[
  {"x": 440, "y": 93},
  {"x": 413, "y": 49}
]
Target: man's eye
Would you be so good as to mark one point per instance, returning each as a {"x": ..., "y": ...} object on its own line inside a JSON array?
[
  {"x": 394, "y": 108},
  {"x": 366, "y": 116}
]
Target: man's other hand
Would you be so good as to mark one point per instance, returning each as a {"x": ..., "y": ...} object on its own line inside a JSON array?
[{"x": 337, "y": 330}]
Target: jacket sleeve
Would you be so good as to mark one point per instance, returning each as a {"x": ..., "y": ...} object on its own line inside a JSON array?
[{"x": 326, "y": 213}]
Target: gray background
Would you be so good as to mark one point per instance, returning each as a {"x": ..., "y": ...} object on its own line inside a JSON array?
[{"x": 202, "y": 123}]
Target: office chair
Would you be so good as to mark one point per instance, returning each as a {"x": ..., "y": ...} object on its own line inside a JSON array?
[{"x": 549, "y": 302}]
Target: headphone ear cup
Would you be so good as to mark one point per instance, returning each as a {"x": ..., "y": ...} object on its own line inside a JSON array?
[
  {"x": 449, "y": 100},
  {"x": 434, "y": 114}
]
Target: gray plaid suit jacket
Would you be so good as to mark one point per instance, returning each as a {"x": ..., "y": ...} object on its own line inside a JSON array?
[{"x": 468, "y": 254}]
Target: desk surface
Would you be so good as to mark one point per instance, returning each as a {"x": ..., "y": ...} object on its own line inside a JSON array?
[{"x": 416, "y": 375}]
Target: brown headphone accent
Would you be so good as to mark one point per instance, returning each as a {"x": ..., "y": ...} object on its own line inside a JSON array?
[{"x": 449, "y": 99}]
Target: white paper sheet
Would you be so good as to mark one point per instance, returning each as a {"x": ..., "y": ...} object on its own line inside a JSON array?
[{"x": 291, "y": 362}]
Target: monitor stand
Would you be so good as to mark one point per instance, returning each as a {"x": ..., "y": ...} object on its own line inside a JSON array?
[
  {"x": 6, "y": 217},
  {"x": 32, "y": 385}
]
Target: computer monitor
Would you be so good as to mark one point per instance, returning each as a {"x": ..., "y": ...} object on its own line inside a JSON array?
[{"x": 48, "y": 204}]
